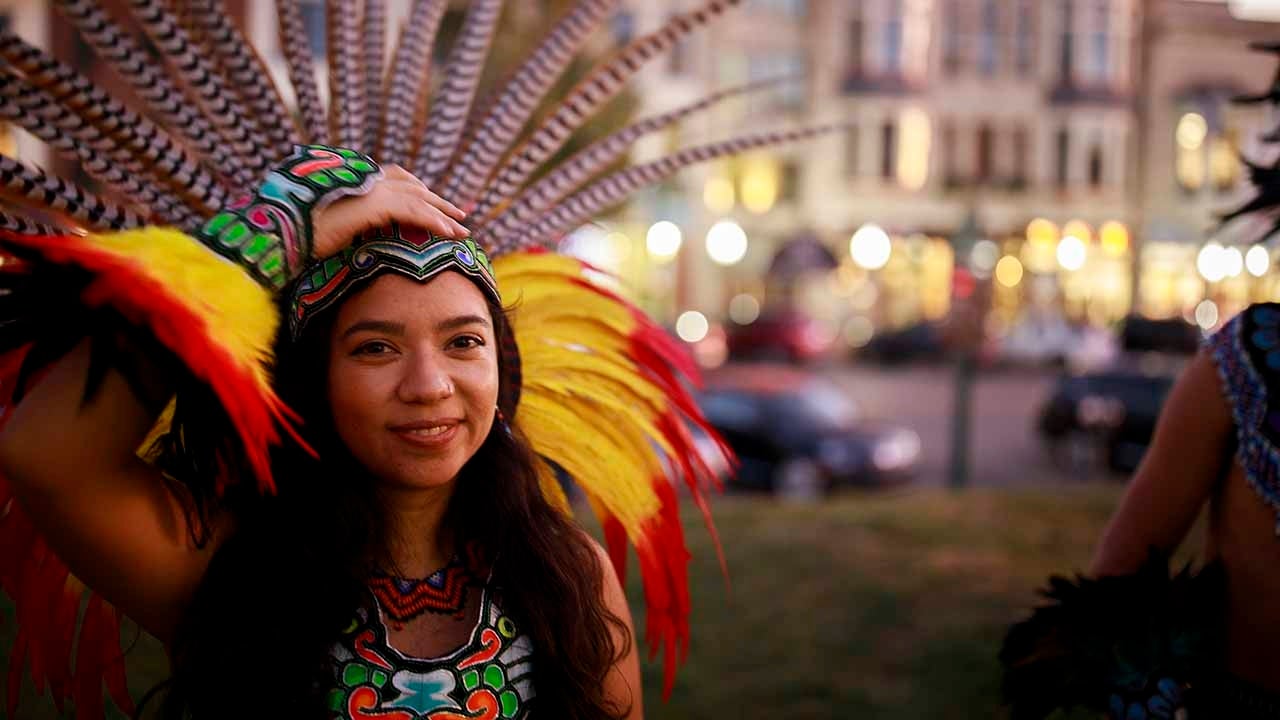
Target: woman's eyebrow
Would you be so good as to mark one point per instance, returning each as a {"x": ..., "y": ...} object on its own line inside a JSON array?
[
  {"x": 454, "y": 323},
  {"x": 382, "y": 326}
]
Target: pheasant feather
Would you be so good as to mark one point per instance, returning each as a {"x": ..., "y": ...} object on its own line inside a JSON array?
[
  {"x": 168, "y": 103},
  {"x": 492, "y": 135},
  {"x": 163, "y": 158},
  {"x": 452, "y": 103},
  {"x": 24, "y": 183},
  {"x": 408, "y": 80},
  {"x": 375, "y": 30},
  {"x": 235, "y": 126},
  {"x": 246, "y": 71},
  {"x": 346, "y": 82},
  {"x": 302, "y": 74},
  {"x": 36, "y": 111},
  {"x": 582, "y": 102},
  {"x": 574, "y": 172},
  {"x": 610, "y": 190}
]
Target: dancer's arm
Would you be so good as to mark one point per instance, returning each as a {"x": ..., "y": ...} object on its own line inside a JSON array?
[
  {"x": 1176, "y": 476},
  {"x": 107, "y": 514},
  {"x": 73, "y": 465},
  {"x": 622, "y": 685}
]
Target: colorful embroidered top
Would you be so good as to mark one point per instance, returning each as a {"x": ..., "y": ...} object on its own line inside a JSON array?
[
  {"x": 488, "y": 678},
  {"x": 1247, "y": 353}
]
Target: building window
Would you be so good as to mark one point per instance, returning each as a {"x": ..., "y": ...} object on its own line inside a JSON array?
[
  {"x": 1095, "y": 167},
  {"x": 1099, "y": 42},
  {"x": 951, "y": 38},
  {"x": 789, "y": 192},
  {"x": 857, "y": 31},
  {"x": 1189, "y": 140},
  {"x": 888, "y": 150},
  {"x": 1021, "y": 158},
  {"x": 915, "y": 133},
  {"x": 851, "y": 151},
  {"x": 985, "y": 154},
  {"x": 893, "y": 39},
  {"x": 1024, "y": 39},
  {"x": 1066, "y": 62},
  {"x": 989, "y": 38},
  {"x": 1064, "y": 157},
  {"x": 1224, "y": 160},
  {"x": 950, "y": 171}
]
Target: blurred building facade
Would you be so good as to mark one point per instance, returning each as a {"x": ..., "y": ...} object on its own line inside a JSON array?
[{"x": 1092, "y": 140}]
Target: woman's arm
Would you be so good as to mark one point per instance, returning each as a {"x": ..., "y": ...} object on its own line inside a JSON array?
[
  {"x": 1177, "y": 474},
  {"x": 72, "y": 460},
  {"x": 109, "y": 516},
  {"x": 622, "y": 686}
]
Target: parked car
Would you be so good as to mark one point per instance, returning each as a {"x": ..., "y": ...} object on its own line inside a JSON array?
[
  {"x": 784, "y": 335},
  {"x": 922, "y": 342},
  {"x": 798, "y": 435},
  {"x": 1117, "y": 408},
  {"x": 1055, "y": 342}
]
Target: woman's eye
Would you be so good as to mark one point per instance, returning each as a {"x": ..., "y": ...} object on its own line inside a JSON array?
[
  {"x": 466, "y": 342},
  {"x": 376, "y": 347}
]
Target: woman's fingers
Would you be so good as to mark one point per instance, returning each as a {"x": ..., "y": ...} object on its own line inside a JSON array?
[
  {"x": 399, "y": 197},
  {"x": 397, "y": 173}
]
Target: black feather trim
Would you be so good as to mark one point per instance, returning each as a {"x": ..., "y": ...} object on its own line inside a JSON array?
[{"x": 1110, "y": 644}]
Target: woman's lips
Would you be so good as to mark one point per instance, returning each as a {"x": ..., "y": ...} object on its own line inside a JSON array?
[{"x": 425, "y": 436}]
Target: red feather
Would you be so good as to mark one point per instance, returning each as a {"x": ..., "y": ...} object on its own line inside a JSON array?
[{"x": 256, "y": 412}]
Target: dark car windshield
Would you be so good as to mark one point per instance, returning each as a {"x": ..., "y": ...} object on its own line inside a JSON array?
[{"x": 817, "y": 405}]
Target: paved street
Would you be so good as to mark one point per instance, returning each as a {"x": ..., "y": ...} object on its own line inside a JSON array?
[{"x": 1005, "y": 451}]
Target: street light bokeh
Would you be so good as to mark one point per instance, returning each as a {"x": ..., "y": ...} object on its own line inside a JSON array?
[
  {"x": 1009, "y": 271},
  {"x": 1071, "y": 253},
  {"x": 1210, "y": 262},
  {"x": 1257, "y": 261},
  {"x": 663, "y": 240},
  {"x": 692, "y": 326},
  {"x": 870, "y": 247},
  {"x": 744, "y": 309},
  {"x": 726, "y": 243}
]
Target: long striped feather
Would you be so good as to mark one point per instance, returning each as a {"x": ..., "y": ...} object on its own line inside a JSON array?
[
  {"x": 302, "y": 73},
  {"x": 346, "y": 81},
  {"x": 247, "y": 73},
  {"x": 375, "y": 32},
  {"x": 165, "y": 100},
  {"x": 608, "y": 191},
  {"x": 582, "y": 102},
  {"x": 488, "y": 139},
  {"x": 235, "y": 125},
  {"x": 63, "y": 197},
  {"x": 451, "y": 104},
  {"x": 571, "y": 174},
  {"x": 408, "y": 80},
  {"x": 22, "y": 226},
  {"x": 37, "y": 111},
  {"x": 164, "y": 158}
]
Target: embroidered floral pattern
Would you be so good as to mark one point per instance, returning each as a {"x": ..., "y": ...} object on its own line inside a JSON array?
[
  {"x": 1247, "y": 353},
  {"x": 489, "y": 678}
]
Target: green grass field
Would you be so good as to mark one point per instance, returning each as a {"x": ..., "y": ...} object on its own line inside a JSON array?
[{"x": 867, "y": 606}]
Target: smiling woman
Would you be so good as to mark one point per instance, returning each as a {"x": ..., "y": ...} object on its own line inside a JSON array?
[{"x": 309, "y": 449}]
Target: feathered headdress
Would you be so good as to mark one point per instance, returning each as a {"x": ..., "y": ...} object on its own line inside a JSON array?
[{"x": 601, "y": 385}]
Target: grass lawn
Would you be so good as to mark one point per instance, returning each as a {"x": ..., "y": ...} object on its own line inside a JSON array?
[{"x": 867, "y": 606}]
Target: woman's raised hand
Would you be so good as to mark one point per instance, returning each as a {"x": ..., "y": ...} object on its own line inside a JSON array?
[{"x": 400, "y": 197}]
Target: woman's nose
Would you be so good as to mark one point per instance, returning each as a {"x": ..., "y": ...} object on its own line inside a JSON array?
[{"x": 425, "y": 380}]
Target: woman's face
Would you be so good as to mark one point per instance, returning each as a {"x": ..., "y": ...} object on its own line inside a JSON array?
[{"x": 413, "y": 377}]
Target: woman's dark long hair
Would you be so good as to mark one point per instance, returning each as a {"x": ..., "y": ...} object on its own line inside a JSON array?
[{"x": 279, "y": 591}]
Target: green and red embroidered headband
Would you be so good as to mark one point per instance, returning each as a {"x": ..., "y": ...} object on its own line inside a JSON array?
[{"x": 270, "y": 232}]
